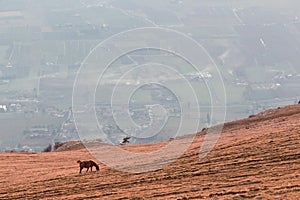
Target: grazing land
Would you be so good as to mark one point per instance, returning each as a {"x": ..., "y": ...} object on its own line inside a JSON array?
[{"x": 256, "y": 158}]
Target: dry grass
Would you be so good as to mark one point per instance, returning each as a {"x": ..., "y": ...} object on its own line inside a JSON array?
[{"x": 255, "y": 158}]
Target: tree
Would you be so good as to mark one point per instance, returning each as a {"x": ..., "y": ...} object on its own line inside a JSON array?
[{"x": 48, "y": 148}]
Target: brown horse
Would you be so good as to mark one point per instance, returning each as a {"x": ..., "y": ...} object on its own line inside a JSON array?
[{"x": 87, "y": 164}]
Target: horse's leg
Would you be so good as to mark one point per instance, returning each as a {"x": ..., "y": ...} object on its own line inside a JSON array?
[
  {"x": 91, "y": 168},
  {"x": 80, "y": 170},
  {"x": 87, "y": 169}
]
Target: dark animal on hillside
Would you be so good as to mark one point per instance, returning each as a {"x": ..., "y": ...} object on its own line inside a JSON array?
[
  {"x": 87, "y": 164},
  {"x": 125, "y": 140}
]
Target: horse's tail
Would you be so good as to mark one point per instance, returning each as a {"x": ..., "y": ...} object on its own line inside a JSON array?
[{"x": 95, "y": 164}]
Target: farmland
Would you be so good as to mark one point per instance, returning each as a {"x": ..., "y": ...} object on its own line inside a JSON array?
[{"x": 43, "y": 44}]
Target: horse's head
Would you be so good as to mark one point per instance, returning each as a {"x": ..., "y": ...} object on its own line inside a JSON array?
[{"x": 78, "y": 161}]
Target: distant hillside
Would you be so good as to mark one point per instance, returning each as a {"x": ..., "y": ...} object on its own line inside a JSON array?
[{"x": 255, "y": 158}]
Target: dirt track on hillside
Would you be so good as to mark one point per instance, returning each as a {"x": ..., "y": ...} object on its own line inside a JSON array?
[{"x": 256, "y": 158}]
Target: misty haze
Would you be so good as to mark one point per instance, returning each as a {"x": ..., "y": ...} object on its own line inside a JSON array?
[
  {"x": 254, "y": 45},
  {"x": 157, "y": 99}
]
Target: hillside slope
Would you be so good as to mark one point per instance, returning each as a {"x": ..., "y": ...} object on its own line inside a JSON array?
[{"x": 257, "y": 157}]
